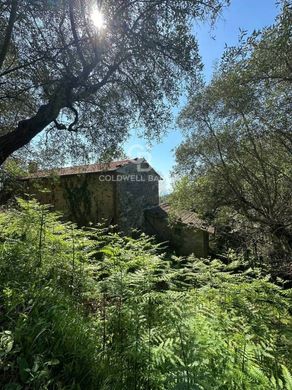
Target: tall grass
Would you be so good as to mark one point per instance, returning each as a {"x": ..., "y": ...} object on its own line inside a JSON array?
[{"x": 94, "y": 310}]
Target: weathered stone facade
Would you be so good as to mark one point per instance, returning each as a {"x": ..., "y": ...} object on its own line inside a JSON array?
[
  {"x": 123, "y": 193},
  {"x": 81, "y": 198},
  {"x": 135, "y": 195},
  {"x": 117, "y": 196},
  {"x": 185, "y": 232}
]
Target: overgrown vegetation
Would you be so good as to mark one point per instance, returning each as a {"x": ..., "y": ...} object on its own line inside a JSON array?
[
  {"x": 235, "y": 161},
  {"x": 94, "y": 310},
  {"x": 79, "y": 86}
]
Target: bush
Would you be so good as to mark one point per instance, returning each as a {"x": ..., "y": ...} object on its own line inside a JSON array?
[{"x": 94, "y": 310}]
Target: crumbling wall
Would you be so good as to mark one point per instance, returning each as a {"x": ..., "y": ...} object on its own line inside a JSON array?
[
  {"x": 82, "y": 198},
  {"x": 137, "y": 191},
  {"x": 183, "y": 239},
  {"x": 117, "y": 197}
]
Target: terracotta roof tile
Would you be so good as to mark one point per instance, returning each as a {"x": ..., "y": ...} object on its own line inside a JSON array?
[
  {"x": 75, "y": 170},
  {"x": 185, "y": 217}
]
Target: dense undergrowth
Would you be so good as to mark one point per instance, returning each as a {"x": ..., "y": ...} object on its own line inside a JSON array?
[{"x": 93, "y": 310}]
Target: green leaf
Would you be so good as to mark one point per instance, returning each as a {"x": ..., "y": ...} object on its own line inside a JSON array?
[{"x": 287, "y": 377}]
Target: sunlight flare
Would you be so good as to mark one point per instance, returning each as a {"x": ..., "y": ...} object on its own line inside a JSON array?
[{"x": 98, "y": 19}]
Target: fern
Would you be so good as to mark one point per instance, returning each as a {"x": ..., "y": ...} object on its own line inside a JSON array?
[
  {"x": 103, "y": 311},
  {"x": 287, "y": 378}
]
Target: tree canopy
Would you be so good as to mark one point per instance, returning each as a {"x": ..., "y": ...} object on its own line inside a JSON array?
[
  {"x": 87, "y": 82},
  {"x": 238, "y": 144}
]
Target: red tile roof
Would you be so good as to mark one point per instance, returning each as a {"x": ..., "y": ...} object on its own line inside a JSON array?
[
  {"x": 185, "y": 217},
  {"x": 92, "y": 168},
  {"x": 75, "y": 170}
]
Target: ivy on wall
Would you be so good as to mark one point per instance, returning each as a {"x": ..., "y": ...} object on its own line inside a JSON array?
[{"x": 79, "y": 199}]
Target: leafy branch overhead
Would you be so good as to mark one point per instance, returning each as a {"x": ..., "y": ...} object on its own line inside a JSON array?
[
  {"x": 236, "y": 155},
  {"x": 57, "y": 67}
]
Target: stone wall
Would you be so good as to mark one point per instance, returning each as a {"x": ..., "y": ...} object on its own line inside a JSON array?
[
  {"x": 121, "y": 198},
  {"x": 117, "y": 197},
  {"x": 182, "y": 238},
  {"x": 136, "y": 192},
  {"x": 82, "y": 198}
]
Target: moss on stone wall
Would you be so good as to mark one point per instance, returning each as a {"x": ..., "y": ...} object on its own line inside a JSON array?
[{"x": 78, "y": 197}]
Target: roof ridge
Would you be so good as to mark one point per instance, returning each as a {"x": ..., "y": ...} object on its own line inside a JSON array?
[
  {"x": 106, "y": 166},
  {"x": 187, "y": 217}
]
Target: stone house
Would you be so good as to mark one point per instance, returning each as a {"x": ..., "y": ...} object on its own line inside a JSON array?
[
  {"x": 184, "y": 230},
  {"x": 123, "y": 193},
  {"x": 112, "y": 193}
]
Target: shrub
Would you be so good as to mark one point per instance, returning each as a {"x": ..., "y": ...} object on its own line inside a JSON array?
[{"x": 95, "y": 310}]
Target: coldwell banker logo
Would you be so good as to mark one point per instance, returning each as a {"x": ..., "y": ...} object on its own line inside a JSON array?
[
  {"x": 143, "y": 164},
  {"x": 146, "y": 165},
  {"x": 132, "y": 177},
  {"x": 143, "y": 172},
  {"x": 140, "y": 169}
]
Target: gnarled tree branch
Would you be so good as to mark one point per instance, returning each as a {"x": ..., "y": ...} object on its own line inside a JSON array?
[{"x": 8, "y": 34}]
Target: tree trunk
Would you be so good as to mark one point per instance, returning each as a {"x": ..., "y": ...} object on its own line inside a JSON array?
[
  {"x": 29, "y": 128},
  {"x": 8, "y": 33},
  {"x": 283, "y": 235}
]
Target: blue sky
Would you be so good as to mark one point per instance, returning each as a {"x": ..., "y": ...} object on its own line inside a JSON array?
[{"x": 248, "y": 15}]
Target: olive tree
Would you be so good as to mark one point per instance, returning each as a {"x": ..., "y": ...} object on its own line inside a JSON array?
[
  {"x": 85, "y": 71},
  {"x": 237, "y": 151}
]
